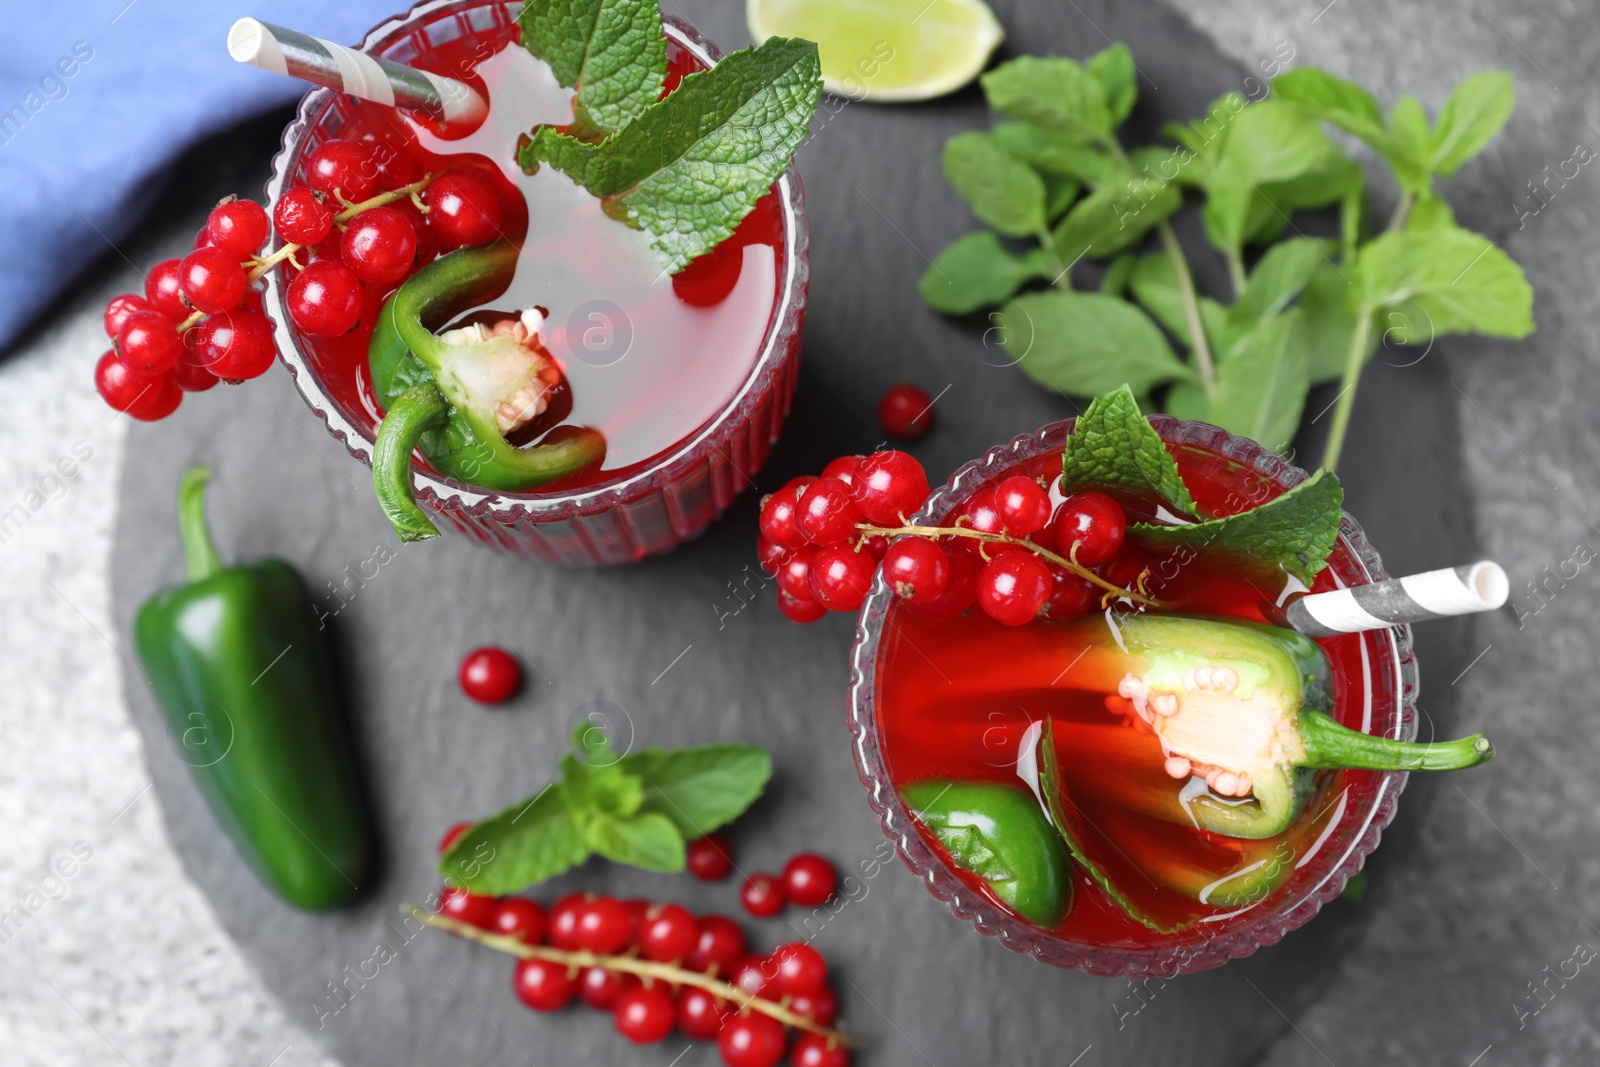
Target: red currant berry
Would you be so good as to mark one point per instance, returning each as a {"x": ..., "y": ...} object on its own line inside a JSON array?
[
  {"x": 710, "y": 859},
  {"x": 427, "y": 247},
  {"x": 700, "y": 1014},
  {"x": 840, "y": 577},
  {"x": 843, "y": 469},
  {"x": 801, "y": 970},
  {"x": 325, "y": 299},
  {"x": 520, "y": 918},
  {"x": 601, "y": 988},
  {"x": 380, "y": 246},
  {"x": 471, "y": 908},
  {"x": 876, "y": 546},
  {"x": 905, "y": 412},
  {"x": 817, "y": 1050},
  {"x": 602, "y": 926},
  {"x": 720, "y": 945},
  {"x": 190, "y": 374},
  {"x": 708, "y": 280},
  {"x": 801, "y": 611},
  {"x": 543, "y": 985},
  {"x": 809, "y": 880},
  {"x": 463, "y": 209},
  {"x": 792, "y": 573},
  {"x": 961, "y": 590},
  {"x": 136, "y": 394},
  {"x": 452, "y": 835},
  {"x": 799, "y": 482},
  {"x": 778, "y": 514},
  {"x": 162, "y": 288},
  {"x": 916, "y": 569},
  {"x": 644, "y": 1014},
  {"x": 827, "y": 515},
  {"x": 762, "y": 895},
  {"x": 1012, "y": 588},
  {"x": 301, "y": 217},
  {"x": 562, "y": 923},
  {"x": 669, "y": 933},
  {"x": 770, "y": 556},
  {"x": 235, "y": 345},
  {"x": 1092, "y": 521},
  {"x": 1024, "y": 508},
  {"x": 347, "y": 168},
  {"x": 982, "y": 513},
  {"x": 237, "y": 227},
  {"x": 1070, "y": 595},
  {"x": 751, "y": 1040},
  {"x": 395, "y": 167},
  {"x": 890, "y": 485},
  {"x": 754, "y": 974},
  {"x": 821, "y": 1007},
  {"x": 202, "y": 239},
  {"x": 120, "y": 307},
  {"x": 490, "y": 675},
  {"x": 148, "y": 344}
]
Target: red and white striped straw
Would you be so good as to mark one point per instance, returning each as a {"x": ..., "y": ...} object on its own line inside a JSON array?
[
  {"x": 285, "y": 51},
  {"x": 1464, "y": 590}
]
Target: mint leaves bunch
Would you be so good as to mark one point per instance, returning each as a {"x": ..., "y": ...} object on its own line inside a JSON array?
[
  {"x": 1306, "y": 311},
  {"x": 637, "y": 809},
  {"x": 688, "y": 168}
]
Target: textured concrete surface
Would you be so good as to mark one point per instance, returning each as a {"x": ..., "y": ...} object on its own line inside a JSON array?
[{"x": 1485, "y": 895}]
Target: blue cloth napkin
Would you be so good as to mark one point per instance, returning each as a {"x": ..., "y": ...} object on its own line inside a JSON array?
[{"x": 98, "y": 96}]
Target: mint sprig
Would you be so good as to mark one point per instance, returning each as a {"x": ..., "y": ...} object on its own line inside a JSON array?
[
  {"x": 1113, "y": 446},
  {"x": 610, "y": 51},
  {"x": 639, "y": 809}
]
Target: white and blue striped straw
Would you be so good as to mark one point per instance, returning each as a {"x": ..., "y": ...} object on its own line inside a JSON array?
[
  {"x": 285, "y": 51},
  {"x": 1437, "y": 594}
]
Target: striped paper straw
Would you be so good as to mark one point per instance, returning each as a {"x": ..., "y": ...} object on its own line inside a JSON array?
[
  {"x": 312, "y": 59},
  {"x": 1415, "y": 598}
]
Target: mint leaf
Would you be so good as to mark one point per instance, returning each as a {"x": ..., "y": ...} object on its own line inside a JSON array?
[
  {"x": 647, "y": 840},
  {"x": 1114, "y": 217},
  {"x": 1342, "y": 103},
  {"x": 1455, "y": 278},
  {"x": 1004, "y": 191},
  {"x": 1267, "y": 144},
  {"x": 1155, "y": 285},
  {"x": 1114, "y": 68},
  {"x": 611, "y": 51},
  {"x": 1475, "y": 112},
  {"x": 1053, "y": 92},
  {"x": 1431, "y": 212},
  {"x": 1059, "y": 193},
  {"x": 1278, "y": 277},
  {"x": 700, "y": 789},
  {"x": 976, "y": 271},
  {"x": 1411, "y": 143},
  {"x": 689, "y": 168},
  {"x": 1113, "y": 446},
  {"x": 1262, "y": 382},
  {"x": 1053, "y": 152},
  {"x": 1082, "y": 344},
  {"x": 1328, "y": 325},
  {"x": 606, "y": 788},
  {"x": 1115, "y": 280},
  {"x": 527, "y": 843},
  {"x": 1295, "y": 531}
]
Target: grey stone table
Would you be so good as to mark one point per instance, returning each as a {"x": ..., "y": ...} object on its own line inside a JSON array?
[{"x": 156, "y": 949}]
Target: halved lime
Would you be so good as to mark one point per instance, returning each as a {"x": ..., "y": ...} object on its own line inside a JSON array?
[{"x": 886, "y": 49}]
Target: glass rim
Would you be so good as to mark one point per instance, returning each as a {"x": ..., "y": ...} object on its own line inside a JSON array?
[
  {"x": 446, "y": 494},
  {"x": 989, "y": 918}
]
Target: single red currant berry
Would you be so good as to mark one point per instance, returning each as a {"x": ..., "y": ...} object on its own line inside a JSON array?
[
  {"x": 916, "y": 569},
  {"x": 136, "y": 394},
  {"x": 380, "y": 246},
  {"x": 669, "y": 933},
  {"x": 452, "y": 835},
  {"x": 821, "y": 1007},
  {"x": 801, "y": 611},
  {"x": 708, "y": 279},
  {"x": 162, "y": 288},
  {"x": 602, "y": 926},
  {"x": 778, "y": 514},
  {"x": 235, "y": 345},
  {"x": 543, "y": 985},
  {"x": 700, "y": 1014},
  {"x": 709, "y": 858},
  {"x": 762, "y": 895},
  {"x": 840, "y": 577},
  {"x": 490, "y": 675},
  {"x": 799, "y": 482},
  {"x": 148, "y": 344},
  {"x": 754, "y": 974},
  {"x": 905, "y": 412},
  {"x": 325, "y": 299},
  {"x": 843, "y": 469},
  {"x": 561, "y": 924},
  {"x": 1092, "y": 521},
  {"x": 395, "y": 167},
  {"x": 876, "y": 546},
  {"x": 471, "y": 908},
  {"x": 644, "y": 1014},
  {"x": 637, "y": 910},
  {"x": 427, "y": 247},
  {"x": 890, "y": 485},
  {"x": 463, "y": 209},
  {"x": 981, "y": 513},
  {"x": 770, "y": 556},
  {"x": 720, "y": 945},
  {"x": 827, "y": 515},
  {"x": 1070, "y": 595},
  {"x": 190, "y": 374},
  {"x": 301, "y": 217},
  {"x": 345, "y": 168},
  {"x": 809, "y": 880},
  {"x": 601, "y": 988},
  {"x": 1024, "y": 507},
  {"x": 818, "y": 1050},
  {"x": 202, "y": 239},
  {"x": 120, "y": 307},
  {"x": 801, "y": 970},
  {"x": 792, "y": 573},
  {"x": 212, "y": 280},
  {"x": 1012, "y": 588},
  {"x": 961, "y": 590},
  {"x": 751, "y": 1040},
  {"x": 520, "y": 918},
  {"x": 237, "y": 227}
]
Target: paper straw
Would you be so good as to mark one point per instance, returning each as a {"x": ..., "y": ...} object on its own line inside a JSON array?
[
  {"x": 312, "y": 59},
  {"x": 1415, "y": 598}
]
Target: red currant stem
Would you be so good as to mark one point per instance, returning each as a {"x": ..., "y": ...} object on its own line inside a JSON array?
[
  {"x": 190, "y": 323},
  {"x": 936, "y": 532},
  {"x": 665, "y": 972}
]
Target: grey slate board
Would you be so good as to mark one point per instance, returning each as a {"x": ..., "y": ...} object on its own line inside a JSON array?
[{"x": 651, "y": 644}]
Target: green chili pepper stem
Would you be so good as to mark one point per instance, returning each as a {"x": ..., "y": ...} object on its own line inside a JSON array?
[
  {"x": 414, "y": 412},
  {"x": 1329, "y": 745},
  {"x": 198, "y": 549}
]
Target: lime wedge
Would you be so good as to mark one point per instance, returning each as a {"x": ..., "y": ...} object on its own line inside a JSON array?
[{"x": 886, "y": 49}]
